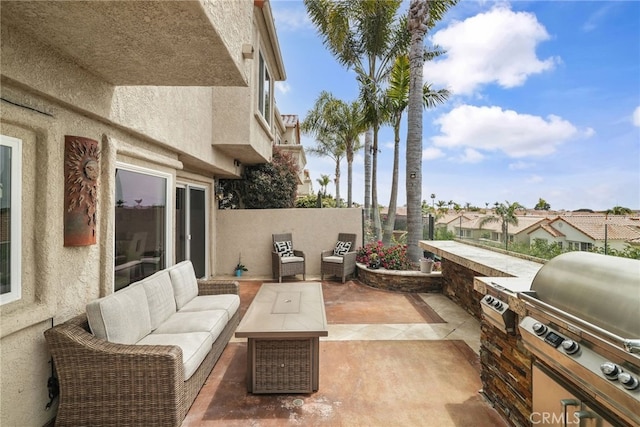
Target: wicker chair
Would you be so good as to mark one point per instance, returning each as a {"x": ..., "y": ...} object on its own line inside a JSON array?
[
  {"x": 336, "y": 265},
  {"x": 283, "y": 266}
]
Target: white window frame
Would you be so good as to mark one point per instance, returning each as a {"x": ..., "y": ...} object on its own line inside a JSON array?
[
  {"x": 170, "y": 209},
  {"x": 15, "y": 293},
  {"x": 187, "y": 186},
  {"x": 265, "y": 108}
]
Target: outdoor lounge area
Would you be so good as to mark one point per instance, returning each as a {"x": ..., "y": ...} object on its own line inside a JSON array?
[{"x": 389, "y": 359}]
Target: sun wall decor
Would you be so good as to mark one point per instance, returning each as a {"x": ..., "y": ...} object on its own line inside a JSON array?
[{"x": 81, "y": 180}]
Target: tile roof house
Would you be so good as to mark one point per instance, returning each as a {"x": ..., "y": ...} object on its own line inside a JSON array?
[{"x": 584, "y": 232}]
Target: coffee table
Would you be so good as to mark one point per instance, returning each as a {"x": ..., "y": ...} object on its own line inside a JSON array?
[{"x": 282, "y": 326}]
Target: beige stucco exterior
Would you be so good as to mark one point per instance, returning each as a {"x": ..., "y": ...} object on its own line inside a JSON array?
[
  {"x": 248, "y": 233},
  {"x": 141, "y": 79}
]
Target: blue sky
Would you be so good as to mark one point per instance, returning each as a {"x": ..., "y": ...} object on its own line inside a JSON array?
[{"x": 545, "y": 104}]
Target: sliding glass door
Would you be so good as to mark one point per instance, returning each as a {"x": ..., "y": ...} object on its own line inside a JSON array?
[{"x": 191, "y": 226}]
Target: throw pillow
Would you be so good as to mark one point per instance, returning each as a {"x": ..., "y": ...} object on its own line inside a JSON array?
[
  {"x": 341, "y": 248},
  {"x": 284, "y": 248}
]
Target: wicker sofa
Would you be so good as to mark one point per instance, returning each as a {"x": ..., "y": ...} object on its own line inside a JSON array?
[{"x": 141, "y": 355}]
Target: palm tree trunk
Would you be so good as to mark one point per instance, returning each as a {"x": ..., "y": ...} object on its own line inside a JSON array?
[
  {"x": 338, "y": 183},
  {"x": 377, "y": 224},
  {"x": 417, "y": 23},
  {"x": 368, "y": 141},
  {"x": 393, "y": 200},
  {"x": 349, "y": 180}
]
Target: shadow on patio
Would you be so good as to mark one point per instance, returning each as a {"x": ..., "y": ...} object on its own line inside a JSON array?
[{"x": 390, "y": 359}]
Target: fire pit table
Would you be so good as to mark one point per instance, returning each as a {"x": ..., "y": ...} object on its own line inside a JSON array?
[{"x": 282, "y": 326}]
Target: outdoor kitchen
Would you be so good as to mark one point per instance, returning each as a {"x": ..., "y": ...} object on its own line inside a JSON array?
[{"x": 559, "y": 340}]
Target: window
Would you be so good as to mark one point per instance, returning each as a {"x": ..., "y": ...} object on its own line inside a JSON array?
[
  {"x": 264, "y": 90},
  {"x": 142, "y": 224},
  {"x": 10, "y": 219}
]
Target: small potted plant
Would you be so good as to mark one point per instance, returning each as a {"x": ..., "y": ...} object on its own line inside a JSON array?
[
  {"x": 240, "y": 267},
  {"x": 374, "y": 261},
  {"x": 426, "y": 265}
]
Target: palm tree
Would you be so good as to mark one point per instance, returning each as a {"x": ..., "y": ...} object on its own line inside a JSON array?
[
  {"x": 364, "y": 36},
  {"x": 396, "y": 100},
  {"x": 422, "y": 16},
  {"x": 505, "y": 214},
  {"x": 342, "y": 121},
  {"x": 328, "y": 146},
  {"x": 324, "y": 181}
]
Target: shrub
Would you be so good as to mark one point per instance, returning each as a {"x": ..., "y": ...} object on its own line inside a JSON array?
[{"x": 391, "y": 257}]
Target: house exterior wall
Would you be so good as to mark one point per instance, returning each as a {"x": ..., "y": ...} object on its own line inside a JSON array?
[
  {"x": 168, "y": 129},
  {"x": 247, "y": 233}
]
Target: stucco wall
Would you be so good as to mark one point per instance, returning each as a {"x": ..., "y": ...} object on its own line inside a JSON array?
[{"x": 248, "y": 232}]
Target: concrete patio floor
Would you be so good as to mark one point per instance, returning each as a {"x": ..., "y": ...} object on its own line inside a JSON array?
[{"x": 436, "y": 383}]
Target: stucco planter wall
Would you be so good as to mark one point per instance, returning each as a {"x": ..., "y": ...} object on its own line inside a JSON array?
[{"x": 400, "y": 281}]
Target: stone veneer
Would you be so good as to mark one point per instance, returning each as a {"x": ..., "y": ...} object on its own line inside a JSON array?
[
  {"x": 458, "y": 285},
  {"x": 506, "y": 373},
  {"x": 400, "y": 281},
  {"x": 506, "y": 364}
]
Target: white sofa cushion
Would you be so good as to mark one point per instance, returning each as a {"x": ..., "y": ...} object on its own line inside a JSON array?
[
  {"x": 185, "y": 284},
  {"x": 195, "y": 347},
  {"x": 228, "y": 302},
  {"x": 212, "y": 321},
  {"x": 287, "y": 259},
  {"x": 333, "y": 258},
  {"x": 162, "y": 303},
  {"x": 122, "y": 317}
]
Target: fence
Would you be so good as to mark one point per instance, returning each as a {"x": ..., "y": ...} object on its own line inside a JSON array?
[{"x": 247, "y": 233}]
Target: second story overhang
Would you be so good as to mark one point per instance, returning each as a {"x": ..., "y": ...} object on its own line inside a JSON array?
[{"x": 156, "y": 43}]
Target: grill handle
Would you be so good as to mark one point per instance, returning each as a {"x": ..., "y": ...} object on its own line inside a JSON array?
[{"x": 630, "y": 345}]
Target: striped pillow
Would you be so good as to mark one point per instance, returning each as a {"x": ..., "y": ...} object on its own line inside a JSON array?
[
  {"x": 341, "y": 248},
  {"x": 285, "y": 248}
]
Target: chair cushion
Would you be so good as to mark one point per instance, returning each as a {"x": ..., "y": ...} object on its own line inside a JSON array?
[
  {"x": 288, "y": 259},
  {"x": 341, "y": 248},
  {"x": 228, "y": 302},
  {"x": 162, "y": 303},
  {"x": 211, "y": 321},
  {"x": 184, "y": 282},
  {"x": 285, "y": 248},
  {"x": 122, "y": 317},
  {"x": 195, "y": 347},
  {"x": 334, "y": 259}
]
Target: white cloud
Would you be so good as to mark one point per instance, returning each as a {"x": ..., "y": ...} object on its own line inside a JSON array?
[
  {"x": 495, "y": 129},
  {"x": 432, "y": 153},
  {"x": 282, "y": 87},
  {"x": 520, "y": 165},
  {"x": 291, "y": 18},
  {"x": 534, "y": 179},
  {"x": 636, "y": 117},
  {"x": 498, "y": 46},
  {"x": 471, "y": 156}
]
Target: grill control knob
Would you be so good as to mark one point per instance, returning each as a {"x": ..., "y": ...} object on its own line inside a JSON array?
[
  {"x": 539, "y": 328},
  {"x": 489, "y": 299},
  {"x": 611, "y": 370},
  {"x": 628, "y": 381},
  {"x": 497, "y": 304},
  {"x": 570, "y": 346}
]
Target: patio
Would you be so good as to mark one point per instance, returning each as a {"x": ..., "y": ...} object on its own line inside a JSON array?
[{"x": 390, "y": 359}]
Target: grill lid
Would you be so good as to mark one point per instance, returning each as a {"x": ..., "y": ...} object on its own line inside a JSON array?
[{"x": 600, "y": 289}]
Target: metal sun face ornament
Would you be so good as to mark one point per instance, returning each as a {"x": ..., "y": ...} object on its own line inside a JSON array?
[{"x": 81, "y": 172}]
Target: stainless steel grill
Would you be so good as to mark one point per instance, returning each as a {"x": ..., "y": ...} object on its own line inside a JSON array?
[{"x": 583, "y": 327}]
